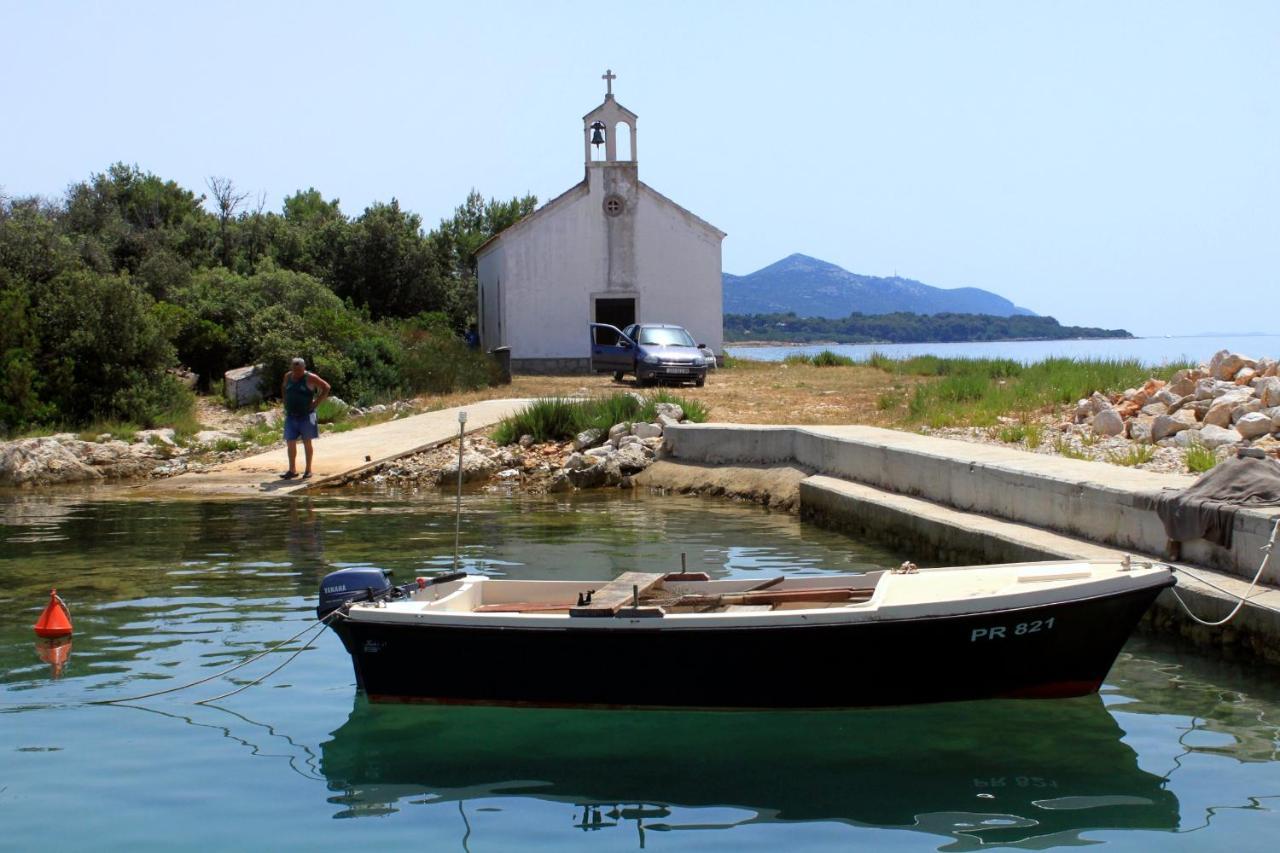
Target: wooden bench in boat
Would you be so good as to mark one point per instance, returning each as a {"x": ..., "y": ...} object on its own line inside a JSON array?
[{"x": 620, "y": 592}]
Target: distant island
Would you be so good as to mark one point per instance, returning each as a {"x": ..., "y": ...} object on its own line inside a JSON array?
[
  {"x": 903, "y": 327},
  {"x": 810, "y": 287}
]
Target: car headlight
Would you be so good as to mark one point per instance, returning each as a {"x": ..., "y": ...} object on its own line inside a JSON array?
[{"x": 651, "y": 358}]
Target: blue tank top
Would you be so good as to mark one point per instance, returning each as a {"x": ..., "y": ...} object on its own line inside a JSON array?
[{"x": 297, "y": 396}]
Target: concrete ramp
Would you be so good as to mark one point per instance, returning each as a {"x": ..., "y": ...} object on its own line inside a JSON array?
[{"x": 337, "y": 455}]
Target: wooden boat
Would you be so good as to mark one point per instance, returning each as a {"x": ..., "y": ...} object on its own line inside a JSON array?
[{"x": 682, "y": 640}]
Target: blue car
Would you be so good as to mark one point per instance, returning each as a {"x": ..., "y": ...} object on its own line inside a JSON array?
[{"x": 652, "y": 352}]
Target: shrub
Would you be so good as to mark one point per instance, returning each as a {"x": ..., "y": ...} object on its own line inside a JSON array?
[{"x": 559, "y": 419}]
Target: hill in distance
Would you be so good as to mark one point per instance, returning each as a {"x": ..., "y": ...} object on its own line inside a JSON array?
[{"x": 810, "y": 287}]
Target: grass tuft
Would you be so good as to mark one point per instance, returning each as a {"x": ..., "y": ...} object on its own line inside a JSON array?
[
  {"x": 1200, "y": 458},
  {"x": 1139, "y": 454}
]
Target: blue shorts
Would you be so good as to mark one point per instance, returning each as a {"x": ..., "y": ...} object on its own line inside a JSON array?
[{"x": 300, "y": 426}]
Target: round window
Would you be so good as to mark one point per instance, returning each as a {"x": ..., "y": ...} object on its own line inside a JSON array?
[{"x": 614, "y": 204}]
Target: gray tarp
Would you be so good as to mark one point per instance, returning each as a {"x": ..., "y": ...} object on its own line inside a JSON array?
[{"x": 1206, "y": 509}]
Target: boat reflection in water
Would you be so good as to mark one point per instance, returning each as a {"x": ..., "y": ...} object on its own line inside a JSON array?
[{"x": 994, "y": 772}]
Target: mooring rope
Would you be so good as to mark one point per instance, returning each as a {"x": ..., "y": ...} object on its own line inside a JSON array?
[
  {"x": 1268, "y": 549},
  {"x": 323, "y": 623},
  {"x": 262, "y": 678}
]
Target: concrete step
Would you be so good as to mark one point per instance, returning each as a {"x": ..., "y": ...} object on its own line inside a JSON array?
[
  {"x": 940, "y": 534},
  {"x": 1104, "y": 503}
]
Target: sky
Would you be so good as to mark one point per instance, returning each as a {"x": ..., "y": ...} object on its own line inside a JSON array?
[{"x": 1107, "y": 163}]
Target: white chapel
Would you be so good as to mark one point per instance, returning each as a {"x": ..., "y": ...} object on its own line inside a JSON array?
[{"x": 609, "y": 250}]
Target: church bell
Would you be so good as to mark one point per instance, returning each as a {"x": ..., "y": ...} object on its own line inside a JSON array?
[{"x": 597, "y": 133}]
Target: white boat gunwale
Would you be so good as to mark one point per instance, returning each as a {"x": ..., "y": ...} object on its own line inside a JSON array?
[{"x": 1022, "y": 586}]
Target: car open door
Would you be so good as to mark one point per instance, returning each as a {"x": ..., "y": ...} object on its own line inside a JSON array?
[{"x": 611, "y": 350}]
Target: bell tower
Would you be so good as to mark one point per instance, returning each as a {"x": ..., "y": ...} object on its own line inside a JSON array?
[{"x": 608, "y": 125}]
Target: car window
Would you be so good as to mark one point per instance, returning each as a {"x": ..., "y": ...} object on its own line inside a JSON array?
[
  {"x": 673, "y": 336},
  {"x": 604, "y": 336},
  {"x": 630, "y": 331}
]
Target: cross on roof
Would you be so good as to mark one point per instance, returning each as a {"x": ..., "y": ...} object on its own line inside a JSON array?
[{"x": 608, "y": 77}]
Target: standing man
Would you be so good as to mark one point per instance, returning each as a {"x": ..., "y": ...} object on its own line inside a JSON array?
[{"x": 302, "y": 392}]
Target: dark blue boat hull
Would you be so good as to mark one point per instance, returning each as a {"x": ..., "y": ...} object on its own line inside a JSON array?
[{"x": 1057, "y": 650}]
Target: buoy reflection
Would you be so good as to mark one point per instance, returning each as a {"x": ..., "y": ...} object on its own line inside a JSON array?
[{"x": 55, "y": 652}]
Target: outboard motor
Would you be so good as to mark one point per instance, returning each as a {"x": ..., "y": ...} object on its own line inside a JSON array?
[{"x": 345, "y": 585}]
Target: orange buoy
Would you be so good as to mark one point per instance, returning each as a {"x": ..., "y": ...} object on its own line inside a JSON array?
[{"x": 55, "y": 621}]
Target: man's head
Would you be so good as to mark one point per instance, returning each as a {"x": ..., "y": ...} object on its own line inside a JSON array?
[{"x": 298, "y": 366}]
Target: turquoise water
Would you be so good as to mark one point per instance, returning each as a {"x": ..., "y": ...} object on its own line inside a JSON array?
[
  {"x": 1177, "y": 753},
  {"x": 1152, "y": 351}
]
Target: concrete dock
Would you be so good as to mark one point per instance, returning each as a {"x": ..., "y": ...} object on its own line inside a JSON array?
[
  {"x": 957, "y": 502},
  {"x": 338, "y": 456}
]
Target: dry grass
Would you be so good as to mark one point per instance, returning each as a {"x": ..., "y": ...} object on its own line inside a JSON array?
[{"x": 747, "y": 392}]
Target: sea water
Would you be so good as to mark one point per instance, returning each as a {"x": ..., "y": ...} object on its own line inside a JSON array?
[
  {"x": 1179, "y": 752},
  {"x": 1149, "y": 351}
]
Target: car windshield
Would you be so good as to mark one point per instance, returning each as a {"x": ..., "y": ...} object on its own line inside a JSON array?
[{"x": 665, "y": 337}]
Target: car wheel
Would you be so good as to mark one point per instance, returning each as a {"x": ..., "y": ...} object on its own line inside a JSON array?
[
  {"x": 617, "y": 376},
  {"x": 700, "y": 381}
]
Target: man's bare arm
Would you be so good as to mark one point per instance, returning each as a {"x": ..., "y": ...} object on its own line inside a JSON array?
[{"x": 317, "y": 382}]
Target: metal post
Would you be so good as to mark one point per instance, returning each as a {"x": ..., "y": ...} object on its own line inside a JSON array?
[{"x": 457, "y": 523}]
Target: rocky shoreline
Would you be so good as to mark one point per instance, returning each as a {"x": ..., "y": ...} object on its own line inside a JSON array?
[
  {"x": 1229, "y": 402},
  {"x": 593, "y": 459},
  {"x": 71, "y": 458}
]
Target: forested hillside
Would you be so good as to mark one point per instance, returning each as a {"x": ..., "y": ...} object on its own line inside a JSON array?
[
  {"x": 127, "y": 275},
  {"x": 904, "y": 328}
]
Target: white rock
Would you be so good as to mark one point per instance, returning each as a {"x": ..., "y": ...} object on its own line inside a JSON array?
[
  {"x": 643, "y": 430},
  {"x": 1249, "y": 407},
  {"x": 1084, "y": 411},
  {"x": 1268, "y": 391},
  {"x": 1166, "y": 425},
  {"x": 475, "y": 466},
  {"x": 1219, "y": 413},
  {"x": 576, "y": 461},
  {"x": 1254, "y": 425},
  {"x": 632, "y": 458},
  {"x": 508, "y": 474},
  {"x": 270, "y": 417},
  {"x": 1214, "y": 437},
  {"x": 1182, "y": 384},
  {"x": 1164, "y": 395},
  {"x": 1107, "y": 422},
  {"x": 42, "y": 461},
  {"x": 1274, "y": 413},
  {"x": 618, "y": 431},
  {"x": 377, "y": 409},
  {"x": 242, "y": 386},
  {"x": 1140, "y": 429},
  {"x": 600, "y": 452},
  {"x": 209, "y": 436},
  {"x": 671, "y": 410},
  {"x": 162, "y": 436},
  {"x": 1225, "y": 365},
  {"x": 526, "y": 440},
  {"x": 1154, "y": 409},
  {"x": 1097, "y": 402},
  {"x": 1215, "y": 361},
  {"x": 629, "y": 439},
  {"x": 666, "y": 420},
  {"x": 587, "y": 438}
]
